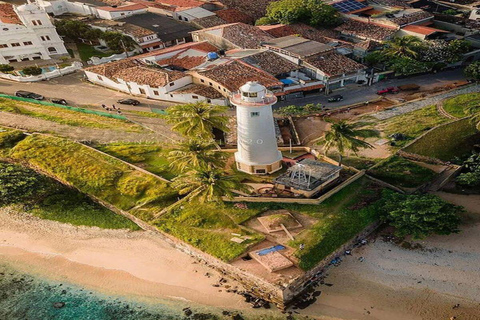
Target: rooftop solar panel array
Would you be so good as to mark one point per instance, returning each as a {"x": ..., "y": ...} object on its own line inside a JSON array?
[{"x": 348, "y": 6}]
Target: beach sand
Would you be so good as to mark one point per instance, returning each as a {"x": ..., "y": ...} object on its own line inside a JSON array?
[{"x": 392, "y": 283}]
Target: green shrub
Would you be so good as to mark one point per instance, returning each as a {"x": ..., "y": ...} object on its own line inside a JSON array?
[
  {"x": 32, "y": 71},
  {"x": 6, "y": 68}
]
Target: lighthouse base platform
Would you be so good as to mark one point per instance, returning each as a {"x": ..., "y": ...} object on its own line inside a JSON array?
[{"x": 258, "y": 168}]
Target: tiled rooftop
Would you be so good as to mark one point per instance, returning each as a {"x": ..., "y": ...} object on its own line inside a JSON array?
[
  {"x": 368, "y": 45},
  {"x": 240, "y": 34},
  {"x": 366, "y": 30},
  {"x": 233, "y": 15},
  {"x": 8, "y": 15},
  {"x": 130, "y": 7},
  {"x": 271, "y": 63},
  {"x": 412, "y": 17},
  {"x": 254, "y": 8},
  {"x": 278, "y": 30},
  {"x": 334, "y": 64},
  {"x": 298, "y": 46},
  {"x": 316, "y": 34},
  {"x": 204, "y": 91},
  {"x": 186, "y": 62},
  {"x": 209, "y": 22},
  {"x": 233, "y": 74},
  {"x": 110, "y": 69},
  {"x": 200, "y": 46},
  {"x": 171, "y": 5}
]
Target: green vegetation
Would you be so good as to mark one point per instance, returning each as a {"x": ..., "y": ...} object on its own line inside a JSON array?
[
  {"x": 8, "y": 139},
  {"x": 312, "y": 12},
  {"x": 32, "y": 71},
  {"x": 402, "y": 173},
  {"x": 208, "y": 228},
  {"x": 360, "y": 163},
  {"x": 93, "y": 173},
  {"x": 305, "y": 110},
  {"x": 450, "y": 141},
  {"x": 419, "y": 215},
  {"x": 470, "y": 177},
  {"x": 344, "y": 136},
  {"x": 412, "y": 124},
  {"x": 6, "y": 68},
  {"x": 472, "y": 71},
  {"x": 340, "y": 218},
  {"x": 460, "y": 105},
  {"x": 66, "y": 116},
  {"x": 48, "y": 199},
  {"x": 87, "y": 51},
  {"x": 150, "y": 157}
]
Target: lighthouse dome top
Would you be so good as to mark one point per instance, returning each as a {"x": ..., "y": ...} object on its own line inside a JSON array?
[
  {"x": 253, "y": 93},
  {"x": 252, "y": 86}
]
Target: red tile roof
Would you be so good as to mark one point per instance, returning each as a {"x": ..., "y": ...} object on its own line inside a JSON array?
[
  {"x": 421, "y": 29},
  {"x": 334, "y": 64},
  {"x": 254, "y": 8},
  {"x": 208, "y": 22},
  {"x": 201, "y": 46},
  {"x": 233, "y": 15},
  {"x": 130, "y": 7},
  {"x": 8, "y": 15},
  {"x": 240, "y": 35},
  {"x": 278, "y": 30},
  {"x": 234, "y": 74},
  {"x": 182, "y": 62},
  {"x": 204, "y": 91},
  {"x": 366, "y": 30}
]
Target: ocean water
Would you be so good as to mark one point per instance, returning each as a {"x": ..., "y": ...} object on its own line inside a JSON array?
[{"x": 24, "y": 296}]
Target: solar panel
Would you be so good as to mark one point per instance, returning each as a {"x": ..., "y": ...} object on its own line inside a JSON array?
[{"x": 348, "y": 6}]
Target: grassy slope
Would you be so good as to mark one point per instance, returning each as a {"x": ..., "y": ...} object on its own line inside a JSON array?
[
  {"x": 403, "y": 173},
  {"x": 456, "y": 106},
  {"x": 67, "y": 117},
  {"x": 412, "y": 124},
  {"x": 57, "y": 202},
  {"x": 86, "y": 52}
]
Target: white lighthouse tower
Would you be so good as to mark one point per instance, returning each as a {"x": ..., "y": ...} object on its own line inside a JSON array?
[{"x": 256, "y": 139}]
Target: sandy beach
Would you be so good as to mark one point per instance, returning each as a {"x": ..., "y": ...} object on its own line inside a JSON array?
[{"x": 390, "y": 283}]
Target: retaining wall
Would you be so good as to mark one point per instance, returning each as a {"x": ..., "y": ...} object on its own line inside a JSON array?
[{"x": 44, "y": 76}]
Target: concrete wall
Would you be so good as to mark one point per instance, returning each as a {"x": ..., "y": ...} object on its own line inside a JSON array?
[{"x": 44, "y": 76}]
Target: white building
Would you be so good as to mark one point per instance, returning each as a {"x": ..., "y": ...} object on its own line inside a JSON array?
[
  {"x": 114, "y": 13},
  {"x": 256, "y": 139},
  {"x": 27, "y": 33}
]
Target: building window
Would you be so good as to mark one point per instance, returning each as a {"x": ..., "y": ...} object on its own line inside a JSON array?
[
  {"x": 45, "y": 38},
  {"x": 100, "y": 78},
  {"x": 34, "y": 22},
  {"x": 209, "y": 100},
  {"x": 211, "y": 84},
  {"x": 171, "y": 84},
  {"x": 3, "y": 45},
  {"x": 202, "y": 81},
  {"x": 142, "y": 91},
  {"x": 254, "y": 114},
  {"x": 52, "y": 50},
  {"x": 155, "y": 92},
  {"x": 194, "y": 97},
  {"x": 16, "y": 44},
  {"x": 171, "y": 96},
  {"x": 224, "y": 90},
  {"x": 260, "y": 171},
  {"x": 39, "y": 22},
  {"x": 28, "y": 43}
]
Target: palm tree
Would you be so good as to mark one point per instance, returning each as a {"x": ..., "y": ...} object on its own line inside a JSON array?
[
  {"x": 197, "y": 120},
  {"x": 195, "y": 153},
  {"x": 204, "y": 185},
  {"x": 404, "y": 47},
  {"x": 345, "y": 136},
  {"x": 474, "y": 112}
]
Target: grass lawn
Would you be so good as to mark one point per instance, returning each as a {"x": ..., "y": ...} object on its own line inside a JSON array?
[
  {"x": 359, "y": 163},
  {"x": 448, "y": 142},
  {"x": 91, "y": 172},
  {"x": 340, "y": 218},
  {"x": 65, "y": 116},
  {"x": 456, "y": 106},
  {"x": 209, "y": 228},
  {"x": 412, "y": 124},
  {"x": 402, "y": 172},
  {"x": 8, "y": 139},
  {"x": 54, "y": 201},
  {"x": 150, "y": 157},
  {"x": 87, "y": 51}
]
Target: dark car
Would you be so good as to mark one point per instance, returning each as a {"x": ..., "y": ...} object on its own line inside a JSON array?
[
  {"x": 60, "y": 101},
  {"x": 30, "y": 95},
  {"x": 335, "y": 98},
  {"x": 131, "y": 102}
]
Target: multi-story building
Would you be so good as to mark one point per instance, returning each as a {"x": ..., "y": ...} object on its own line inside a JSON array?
[{"x": 27, "y": 33}]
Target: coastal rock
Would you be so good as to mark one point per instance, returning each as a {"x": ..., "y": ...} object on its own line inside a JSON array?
[{"x": 59, "y": 305}]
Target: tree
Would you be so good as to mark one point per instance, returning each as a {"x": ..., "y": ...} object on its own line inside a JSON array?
[
  {"x": 407, "y": 66},
  {"x": 32, "y": 71},
  {"x": 195, "y": 153},
  {"x": 287, "y": 11},
  {"x": 117, "y": 41},
  {"x": 18, "y": 184},
  {"x": 6, "y": 68},
  {"x": 456, "y": 49},
  {"x": 204, "y": 185},
  {"x": 264, "y": 21},
  {"x": 77, "y": 30},
  {"x": 197, "y": 120},
  {"x": 404, "y": 47},
  {"x": 419, "y": 215},
  {"x": 345, "y": 136},
  {"x": 472, "y": 71},
  {"x": 322, "y": 14}
]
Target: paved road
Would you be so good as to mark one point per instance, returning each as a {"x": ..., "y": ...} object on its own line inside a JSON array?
[
  {"x": 76, "y": 91},
  {"x": 358, "y": 93}
]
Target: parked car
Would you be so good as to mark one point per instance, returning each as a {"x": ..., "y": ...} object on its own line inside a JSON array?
[
  {"x": 335, "y": 98},
  {"x": 60, "y": 101},
  {"x": 131, "y": 102},
  {"x": 30, "y": 95},
  {"x": 388, "y": 90}
]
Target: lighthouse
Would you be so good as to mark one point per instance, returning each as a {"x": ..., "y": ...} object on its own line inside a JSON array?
[{"x": 256, "y": 139}]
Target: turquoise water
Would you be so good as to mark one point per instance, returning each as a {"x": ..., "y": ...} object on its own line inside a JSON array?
[
  {"x": 44, "y": 70},
  {"x": 24, "y": 296}
]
